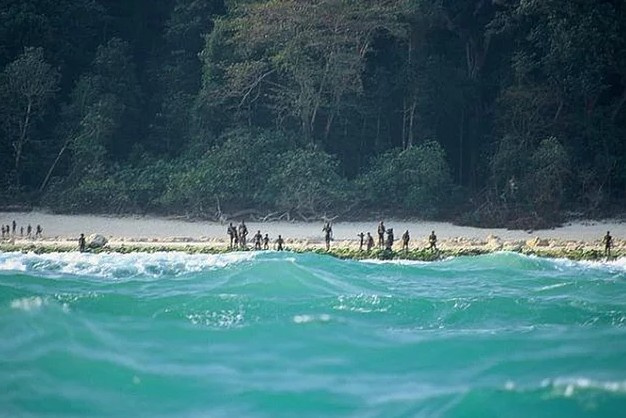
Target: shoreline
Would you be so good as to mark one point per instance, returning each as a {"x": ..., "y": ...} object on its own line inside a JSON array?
[
  {"x": 347, "y": 251},
  {"x": 577, "y": 240}
]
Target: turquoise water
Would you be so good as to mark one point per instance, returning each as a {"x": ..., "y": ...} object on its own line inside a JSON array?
[{"x": 279, "y": 334}]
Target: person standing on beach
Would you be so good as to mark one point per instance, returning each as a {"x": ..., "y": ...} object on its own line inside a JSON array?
[
  {"x": 381, "y": 234},
  {"x": 608, "y": 243},
  {"x": 328, "y": 234},
  {"x": 432, "y": 240},
  {"x": 370, "y": 242},
  {"x": 257, "y": 240},
  {"x": 390, "y": 239},
  {"x": 3, "y": 231},
  {"x": 232, "y": 233},
  {"x": 266, "y": 242},
  {"x": 279, "y": 243},
  {"x": 39, "y": 231},
  {"x": 405, "y": 241},
  {"x": 29, "y": 231},
  {"x": 361, "y": 236},
  {"x": 81, "y": 243},
  {"x": 243, "y": 233},
  {"x": 21, "y": 232},
  {"x": 14, "y": 226}
]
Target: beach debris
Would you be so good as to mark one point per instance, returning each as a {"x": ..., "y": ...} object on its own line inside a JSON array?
[{"x": 97, "y": 241}]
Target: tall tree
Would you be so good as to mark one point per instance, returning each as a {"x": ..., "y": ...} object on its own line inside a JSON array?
[{"x": 26, "y": 86}]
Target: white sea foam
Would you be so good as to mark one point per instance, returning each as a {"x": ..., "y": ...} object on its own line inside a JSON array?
[
  {"x": 551, "y": 286},
  {"x": 113, "y": 265},
  {"x": 397, "y": 262},
  {"x": 618, "y": 264},
  {"x": 305, "y": 319},
  {"x": 35, "y": 303},
  {"x": 362, "y": 303},
  {"x": 28, "y": 304},
  {"x": 567, "y": 386}
]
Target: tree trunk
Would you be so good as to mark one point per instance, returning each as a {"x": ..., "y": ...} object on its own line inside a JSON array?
[
  {"x": 377, "y": 144},
  {"x": 461, "y": 144},
  {"x": 404, "y": 124},
  {"x": 52, "y": 167},
  {"x": 19, "y": 146},
  {"x": 411, "y": 125}
]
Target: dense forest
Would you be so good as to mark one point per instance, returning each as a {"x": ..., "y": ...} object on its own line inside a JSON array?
[{"x": 488, "y": 112}]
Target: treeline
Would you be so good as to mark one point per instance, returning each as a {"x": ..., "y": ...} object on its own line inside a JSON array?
[{"x": 500, "y": 112}]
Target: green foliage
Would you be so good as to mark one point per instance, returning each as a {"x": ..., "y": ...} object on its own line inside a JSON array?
[
  {"x": 214, "y": 107},
  {"x": 549, "y": 173},
  {"x": 306, "y": 182},
  {"x": 416, "y": 181},
  {"x": 230, "y": 176},
  {"x": 27, "y": 85}
]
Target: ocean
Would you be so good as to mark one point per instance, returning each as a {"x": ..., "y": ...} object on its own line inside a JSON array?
[{"x": 272, "y": 334}]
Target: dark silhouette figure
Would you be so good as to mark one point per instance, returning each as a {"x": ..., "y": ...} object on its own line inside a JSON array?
[
  {"x": 370, "y": 242},
  {"x": 243, "y": 233},
  {"x": 432, "y": 240},
  {"x": 81, "y": 243},
  {"x": 29, "y": 231},
  {"x": 232, "y": 234},
  {"x": 266, "y": 242},
  {"x": 2, "y": 230},
  {"x": 389, "y": 244},
  {"x": 279, "y": 243},
  {"x": 38, "y": 231},
  {"x": 21, "y": 231},
  {"x": 14, "y": 226},
  {"x": 608, "y": 243},
  {"x": 328, "y": 234},
  {"x": 381, "y": 234},
  {"x": 405, "y": 240},
  {"x": 361, "y": 237},
  {"x": 257, "y": 240}
]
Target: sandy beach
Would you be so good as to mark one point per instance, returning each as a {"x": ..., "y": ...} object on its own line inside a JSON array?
[{"x": 148, "y": 229}]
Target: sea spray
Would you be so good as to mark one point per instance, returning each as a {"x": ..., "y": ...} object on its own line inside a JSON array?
[{"x": 284, "y": 334}]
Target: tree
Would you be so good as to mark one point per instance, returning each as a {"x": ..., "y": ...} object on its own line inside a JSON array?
[
  {"x": 26, "y": 86},
  {"x": 299, "y": 60}
]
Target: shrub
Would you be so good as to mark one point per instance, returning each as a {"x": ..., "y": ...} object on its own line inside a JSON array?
[
  {"x": 416, "y": 181},
  {"x": 306, "y": 182}
]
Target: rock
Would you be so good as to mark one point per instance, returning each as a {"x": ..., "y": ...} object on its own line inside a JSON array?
[
  {"x": 515, "y": 246},
  {"x": 494, "y": 243},
  {"x": 537, "y": 242},
  {"x": 96, "y": 241}
]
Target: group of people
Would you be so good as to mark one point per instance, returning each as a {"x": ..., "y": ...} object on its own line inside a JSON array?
[
  {"x": 387, "y": 242},
  {"x": 238, "y": 238},
  {"x": 11, "y": 231}
]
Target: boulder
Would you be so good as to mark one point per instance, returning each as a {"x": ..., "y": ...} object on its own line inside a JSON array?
[
  {"x": 494, "y": 243},
  {"x": 537, "y": 242},
  {"x": 96, "y": 241}
]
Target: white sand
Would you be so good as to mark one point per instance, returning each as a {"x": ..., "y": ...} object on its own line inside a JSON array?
[{"x": 153, "y": 228}]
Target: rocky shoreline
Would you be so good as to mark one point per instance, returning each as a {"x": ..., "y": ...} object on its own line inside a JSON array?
[{"x": 347, "y": 249}]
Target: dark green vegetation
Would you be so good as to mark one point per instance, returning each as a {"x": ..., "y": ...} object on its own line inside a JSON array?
[{"x": 501, "y": 112}]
